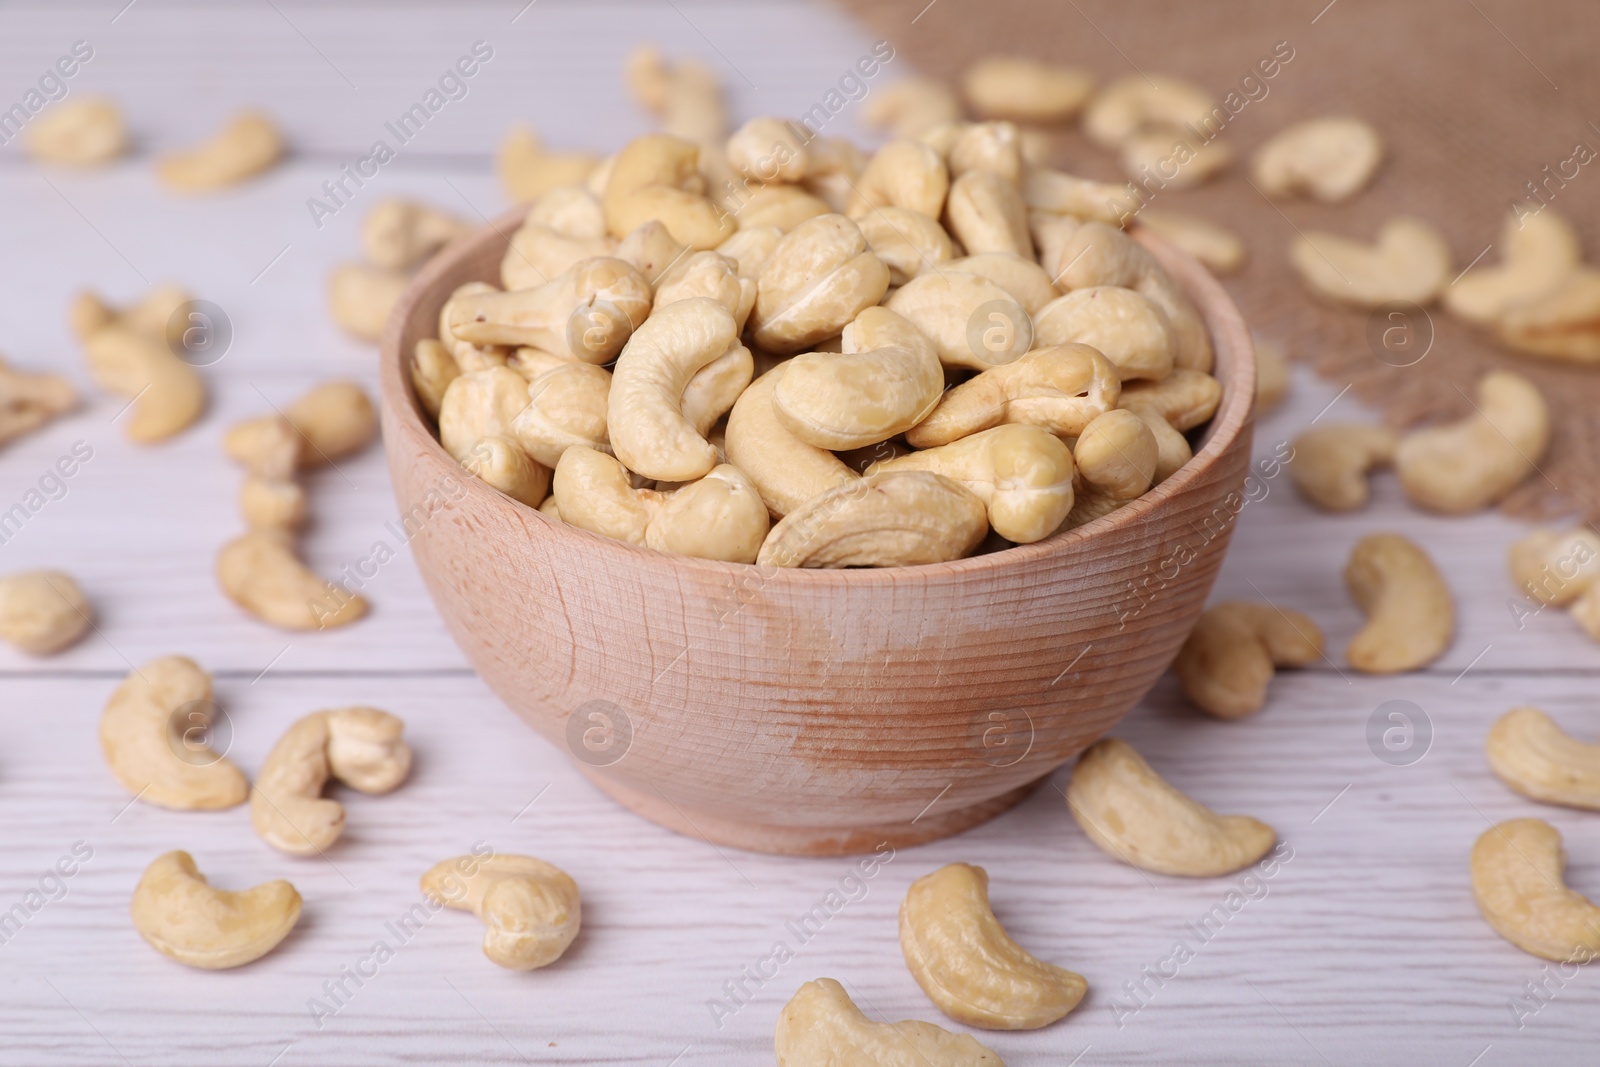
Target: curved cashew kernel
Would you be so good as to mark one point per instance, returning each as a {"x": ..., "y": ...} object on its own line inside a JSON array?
[
  {"x": 245, "y": 147},
  {"x": 890, "y": 519},
  {"x": 593, "y": 492},
  {"x": 360, "y": 297},
  {"x": 42, "y": 612},
  {"x": 1055, "y": 193},
  {"x": 1556, "y": 568},
  {"x": 78, "y": 133},
  {"x": 886, "y": 381},
  {"x": 335, "y": 420},
  {"x": 539, "y": 252},
  {"x": 780, "y": 206},
  {"x": 1061, "y": 388},
  {"x": 1410, "y": 613},
  {"x": 272, "y": 503},
  {"x": 1172, "y": 448},
  {"x": 721, "y": 516},
  {"x": 182, "y": 917},
  {"x": 1026, "y": 90},
  {"x": 1185, "y": 398},
  {"x": 1129, "y": 105},
  {"x": 1462, "y": 466},
  {"x": 986, "y": 214},
  {"x": 168, "y": 394},
  {"x": 906, "y": 174},
  {"x": 750, "y": 248},
  {"x": 995, "y": 147},
  {"x": 1117, "y": 453},
  {"x": 1330, "y": 159},
  {"x": 969, "y": 966},
  {"x": 402, "y": 233},
  {"x": 153, "y": 734},
  {"x": 1134, "y": 814},
  {"x": 148, "y": 317},
  {"x": 1121, "y": 324},
  {"x": 1272, "y": 373},
  {"x": 651, "y": 180},
  {"x": 1022, "y": 474},
  {"x": 1563, "y": 324},
  {"x": 1021, "y": 277},
  {"x": 1229, "y": 657},
  {"x": 644, "y": 413},
  {"x": 822, "y": 1026},
  {"x": 786, "y": 471},
  {"x": 468, "y": 356},
  {"x": 908, "y": 242},
  {"x": 715, "y": 388},
  {"x": 29, "y": 400},
  {"x": 566, "y": 407},
  {"x": 1195, "y": 162},
  {"x": 261, "y": 573},
  {"x": 433, "y": 368},
  {"x": 571, "y": 210},
  {"x": 910, "y": 107},
  {"x": 1410, "y": 261},
  {"x": 360, "y": 747},
  {"x": 1331, "y": 463},
  {"x": 482, "y": 404},
  {"x": 651, "y": 249},
  {"x": 971, "y": 321},
  {"x": 768, "y": 150},
  {"x": 1538, "y": 759},
  {"x": 1518, "y": 870},
  {"x": 588, "y": 313},
  {"x": 501, "y": 463},
  {"x": 819, "y": 277},
  {"x": 531, "y": 907},
  {"x": 713, "y": 275},
  {"x": 1541, "y": 251},
  {"x": 527, "y": 171},
  {"x": 1217, "y": 247}
]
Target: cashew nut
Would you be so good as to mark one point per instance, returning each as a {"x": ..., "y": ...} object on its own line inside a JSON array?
[
  {"x": 566, "y": 407},
  {"x": 1230, "y": 656},
  {"x": 1022, "y": 474},
  {"x": 890, "y": 519},
  {"x": 1025, "y": 90},
  {"x": 433, "y": 368},
  {"x": 818, "y": 278},
  {"x": 886, "y": 381},
  {"x": 986, "y": 214},
  {"x": 360, "y": 747},
  {"x": 1540, "y": 250},
  {"x": 911, "y": 107},
  {"x": 42, "y": 612},
  {"x": 1192, "y": 160},
  {"x": 971, "y": 321},
  {"x": 531, "y": 907},
  {"x": 786, "y": 471},
  {"x": 908, "y": 242},
  {"x": 1133, "y": 104},
  {"x": 1562, "y": 324},
  {"x": 468, "y": 357},
  {"x": 262, "y": 573},
  {"x": 904, "y": 174},
  {"x": 78, "y": 133},
  {"x": 750, "y": 249},
  {"x": 1330, "y": 159},
  {"x": 769, "y": 150},
  {"x": 713, "y": 275},
  {"x": 1121, "y": 324},
  {"x": 1518, "y": 880},
  {"x": 502, "y": 463},
  {"x": 1411, "y": 616},
  {"x": 593, "y": 492},
  {"x": 1218, "y": 247},
  {"x": 402, "y": 233},
  {"x": 1172, "y": 448},
  {"x": 834, "y": 165},
  {"x": 482, "y": 404},
  {"x": 652, "y": 250},
  {"x": 527, "y": 171},
  {"x": 1462, "y": 466},
  {"x": 1410, "y": 262},
  {"x": 822, "y": 1026},
  {"x": 245, "y": 147},
  {"x": 782, "y": 207},
  {"x": 361, "y": 296},
  {"x": 167, "y": 394},
  {"x": 154, "y": 735},
  {"x": 149, "y": 317},
  {"x": 651, "y": 180},
  {"x": 1331, "y": 463},
  {"x": 686, "y": 94},
  {"x": 1134, "y": 814},
  {"x": 1117, "y": 454},
  {"x": 29, "y": 400},
  {"x": 1556, "y": 568},
  {"x": 969, "y": 966},
  {"x": 1061, "y": 388},
  {"x": 1538, "y": 759},
  {"x": 1069, "y": 198},
  {"x": 644, "y": 413},
  {"x": 272, "y": 503},
  {"x": 588, "y": 313},
  {"x": 538, "y": 252},
  {"x": 1272, "y": 373},
  {"x": 1021, "y": 277},
  {"x": 994, "y": 147},
  {"x": 1185, "y": 398},
  {"x": 182, "y": 917}
]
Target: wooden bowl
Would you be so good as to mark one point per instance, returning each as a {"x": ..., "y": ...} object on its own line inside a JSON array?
[{"x": 813, "y": 712}]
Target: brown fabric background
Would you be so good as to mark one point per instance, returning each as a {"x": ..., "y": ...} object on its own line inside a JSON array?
[{"x": 1467, "y": 116}]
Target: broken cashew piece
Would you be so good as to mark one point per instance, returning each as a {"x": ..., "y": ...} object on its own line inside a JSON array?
[
  {"x": 1462, "y": 466},
  {"x": 1411, "y": 616},
  {"x": 261, "y": 573},
  {"x": 889, "y": 519},
  {"x": 969, "y": 966},
  {"x": 531, "y": 907},
  {"x": 1409, "y": 262},
  {"x": 1331, "y": 463},
  {"x": 81, "y": 133},
  {"x": 1328, "y": 159},
  {"x": 821, "y": 1025},
  {"x": 1230, "y": 656},
  {"x": 1134, "y": 814},
  {"x": 1534, "y": 756},
  {"x": 185, "y": 918},
  {"x": 42, "y": 612},
  {"x": 153, "y": 733},
  {"x": 1518, "y": 880},
  {"x": 360, "y": 747},
  {"x": 245, "y": 147},
  {"x": 1062, "y": 388}
]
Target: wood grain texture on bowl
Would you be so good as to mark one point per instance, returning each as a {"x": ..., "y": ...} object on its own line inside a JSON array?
[{"x": 813, "y": 711}]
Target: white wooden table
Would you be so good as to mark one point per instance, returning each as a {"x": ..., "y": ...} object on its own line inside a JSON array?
[{"x": 1364, "y": 948}]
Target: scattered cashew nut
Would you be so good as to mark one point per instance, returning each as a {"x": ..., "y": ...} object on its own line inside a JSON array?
[
  {"x": 1462, "y": 466},
  {"x": 154, "y": 736},
  {"x": 1538, "y": 759},
  {"x": 1231, "y": 654},
  {"x": 531, "y": 907},
  {"x": 78, "y": 133},
  {"x": 248, "y": 145},
  {"x": 42, "y": 612},
  {"x": 1330, "y": 159},
  {"x": 821, "y": 1025},
  {"x": 1331, "y": 463},
  {"x": 1409, "y": 262},
  {"x": 184, "y": 918},
  {"x": 1410, "y": 613},
  {"x": 1518, "y": 870}
]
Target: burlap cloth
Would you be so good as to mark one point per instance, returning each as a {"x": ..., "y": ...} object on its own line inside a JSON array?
[{"x": 1470, "y": 111}]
